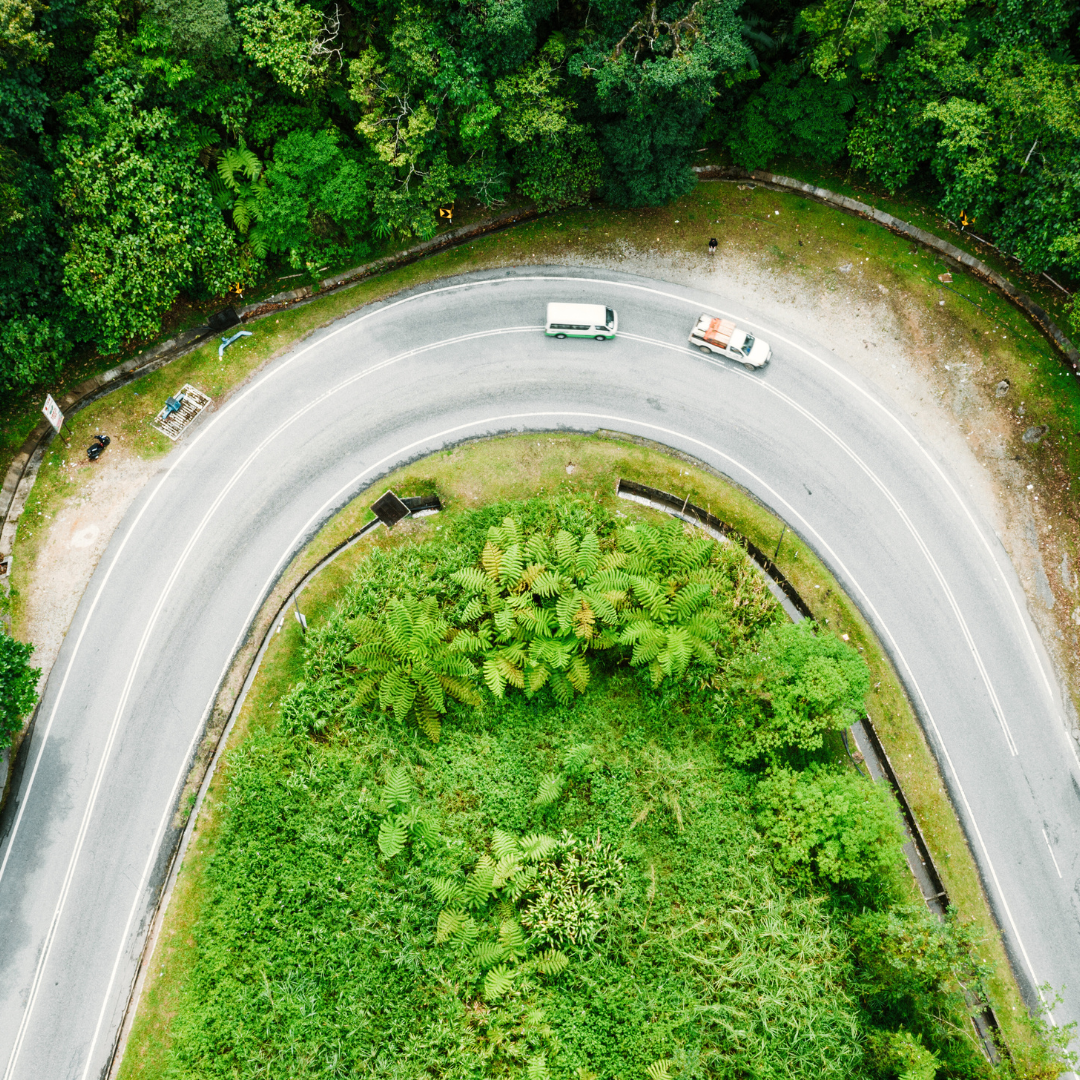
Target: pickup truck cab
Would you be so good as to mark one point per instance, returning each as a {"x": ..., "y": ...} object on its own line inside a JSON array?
[
  {"x": 581, "y": 320},
  {"x": 724, "y": 338}
]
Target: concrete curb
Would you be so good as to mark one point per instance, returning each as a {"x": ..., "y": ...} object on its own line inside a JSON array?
[
  {"x": 954, "y": 255},
  {"x": 919, "y": 857},
  {"x": 78, "y": 397},
  {"x": 390, "y": 262},
  {"x": 418, "y": 505}
]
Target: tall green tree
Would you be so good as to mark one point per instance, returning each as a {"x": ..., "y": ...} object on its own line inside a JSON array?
[
  {"x": 139, "y": 213},
  {"x": 652, "y": 72},
  {"x": 558, "y": 160},
  {"x": 984, "y": 99}
]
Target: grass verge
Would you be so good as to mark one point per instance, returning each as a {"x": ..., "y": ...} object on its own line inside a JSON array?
[{"x": 517, "y": 467}]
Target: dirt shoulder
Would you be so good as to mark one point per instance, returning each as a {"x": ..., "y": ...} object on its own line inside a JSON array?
[{"x": 948, "y": 376}]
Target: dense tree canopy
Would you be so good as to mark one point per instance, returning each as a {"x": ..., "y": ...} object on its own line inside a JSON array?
[{"x": 152, "y": 149}]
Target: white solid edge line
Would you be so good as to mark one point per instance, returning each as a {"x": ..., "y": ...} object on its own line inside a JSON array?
[
  {"x": 487, "y": 423},
  {"x": 880, "y": 406},
  {"x": 350, "y": 323},
  {"x": 1052, "y": 856},
  {"x": 893, "y": 502},
  {"x": 320, "y": 340},
  {"x": 140, "y": 650}
]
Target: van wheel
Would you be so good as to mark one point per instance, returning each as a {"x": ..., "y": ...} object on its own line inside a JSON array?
[
  {"x": 705, "y": 349},
  {"x": 749, "y": 367},
  {"x": 601, "y": 337},
  {"x": 560, "y": 336}
]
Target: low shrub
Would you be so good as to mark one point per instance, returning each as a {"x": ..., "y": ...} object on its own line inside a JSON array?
[{"x": 590, "y": 884}]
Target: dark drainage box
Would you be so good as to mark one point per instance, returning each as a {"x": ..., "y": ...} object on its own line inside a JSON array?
[
  {"x": 389, "y": 509},
  {"x": 222, "y": 320}
]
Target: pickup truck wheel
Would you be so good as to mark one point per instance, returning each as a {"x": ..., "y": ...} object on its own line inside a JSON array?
[
  {"x": 749, "y": 367},
  {"x": 561, "y": 337},
  {"x": 705, "y": 348}
]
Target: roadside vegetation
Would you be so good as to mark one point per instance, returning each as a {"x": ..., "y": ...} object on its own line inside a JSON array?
[
  {"x": 18, "y": 685},
  {"x": 562, "y": 793},
  {"x": 805, "y": 239},
  {"x": 506, "y": 468}
]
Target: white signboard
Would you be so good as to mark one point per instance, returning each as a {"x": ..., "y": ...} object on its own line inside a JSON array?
[{"x": 52, "y": 412}]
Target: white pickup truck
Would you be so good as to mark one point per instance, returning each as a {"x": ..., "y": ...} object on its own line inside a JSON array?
[{"x": 713, "y": 335}]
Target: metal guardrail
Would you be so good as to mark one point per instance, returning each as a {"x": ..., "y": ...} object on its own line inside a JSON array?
[
  {"x": 89, "y": 390},
  {"x": 920, "y": 861},
  {"x": 686, "y": 509},
  {"x": 421, "y": 505},
  {"x": 956, "y": 256}
]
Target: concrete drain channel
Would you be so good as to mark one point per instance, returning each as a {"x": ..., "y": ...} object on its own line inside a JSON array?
[{"x": 877, "y": 763}]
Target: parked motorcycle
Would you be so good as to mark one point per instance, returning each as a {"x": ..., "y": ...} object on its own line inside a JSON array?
[{"x": 94, "y": 450}]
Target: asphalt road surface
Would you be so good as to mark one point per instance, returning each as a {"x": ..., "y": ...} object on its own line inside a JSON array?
[{"x": 81, "y": 860}]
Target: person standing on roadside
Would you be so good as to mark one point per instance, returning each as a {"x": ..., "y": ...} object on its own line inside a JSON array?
[{"x": 712, "y": 246}]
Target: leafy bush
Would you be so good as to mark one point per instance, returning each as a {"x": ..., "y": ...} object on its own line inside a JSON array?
[
  {"x": 829, "y": 822},
  {"x": 18, "y": 683},
  {"x": 538, "y": 605},
  {"x": 793, "y": 686},
  {"x": 916, "y": 975},
  {"x": 141, "y": 220},
  {"x": 563, "y": 169},
  {"x": 791, "y": 115},
  {"x": 560, "y": 890},
  {"x": 316, "y": 204}
]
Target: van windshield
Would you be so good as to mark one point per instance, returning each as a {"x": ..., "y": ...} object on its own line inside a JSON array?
[{"x": 610, "y": 319}]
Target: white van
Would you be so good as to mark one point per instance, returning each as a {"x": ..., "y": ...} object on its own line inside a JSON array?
[{"x": 581, "y": 320}]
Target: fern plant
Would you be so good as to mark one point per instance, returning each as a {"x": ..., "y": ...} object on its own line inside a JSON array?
[
  {"x": 403, "y": 821},
  {"x": 550, "y": 788},
  {"x": 405, "y": 664},
  {"x": 238, "y": 186},
  {"x": 660, "y": 1070},
  {"x": 537, "y": 1068},
  {"x": 536, "y": 609},
  {"x": 675, "y": 618},
  {"x": 480, "y": 916}
]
